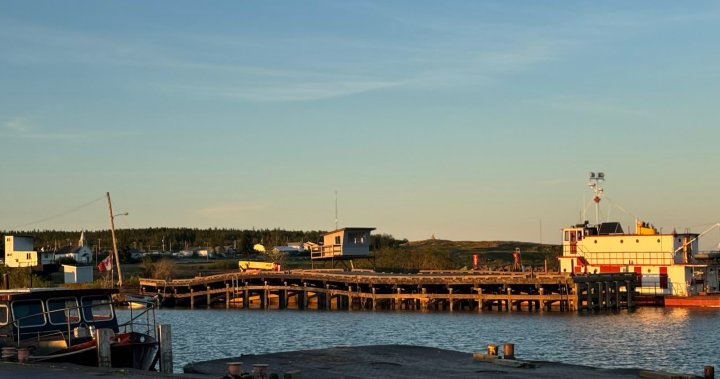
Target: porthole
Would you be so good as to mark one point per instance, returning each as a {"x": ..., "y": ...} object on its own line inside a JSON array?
[
  {"x": 595, "y": 241},
  {"x": 621, "y": 241},
  {"x": 658, "y": 240},
  {"x": 637, "y": 241}
]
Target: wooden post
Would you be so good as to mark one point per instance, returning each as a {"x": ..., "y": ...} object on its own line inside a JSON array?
[
  {"x": 163, "y": 332},
  {"x": 328, "y": 298},
  {"x": 450, "y": 298},
  {"x": 102, "y": 336},
  {"x": 282, "y": 299},
  {"x": 227, "y": 295},
  {"x": 709, "y": 372},
  {"x": 350, "y": 299},
  {"x": 192, "y": 298},
  {"x": 508, "y": 306},
  {"x": 480, "y": 302},
  {"x": 305, "y": 296}
]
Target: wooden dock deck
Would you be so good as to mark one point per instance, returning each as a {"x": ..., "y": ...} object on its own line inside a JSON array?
[{"x": 366, "y": 290}]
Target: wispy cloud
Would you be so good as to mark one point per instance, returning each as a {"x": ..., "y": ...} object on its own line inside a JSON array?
[
  {"x": 34, "y": 128},
  {"x": 16, "y": 125},
  {"x": 290, "y": 92}
]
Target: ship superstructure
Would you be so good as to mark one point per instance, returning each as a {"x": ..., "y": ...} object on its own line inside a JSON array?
[{"x": 666, "y": 264}]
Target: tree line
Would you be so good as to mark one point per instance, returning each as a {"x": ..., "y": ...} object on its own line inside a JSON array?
[{"x": 176, "y": 239}]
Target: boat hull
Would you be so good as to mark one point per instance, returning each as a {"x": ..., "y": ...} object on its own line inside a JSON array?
[
  {"x": 127, "y": 352},
  {"x": 708, "y": 301}
]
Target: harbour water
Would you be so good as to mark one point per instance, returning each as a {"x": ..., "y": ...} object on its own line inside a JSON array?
[{"x": 671, "y": 339}]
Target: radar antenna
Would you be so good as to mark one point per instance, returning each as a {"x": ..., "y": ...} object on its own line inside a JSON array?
[{"x": 595, "y": 185}]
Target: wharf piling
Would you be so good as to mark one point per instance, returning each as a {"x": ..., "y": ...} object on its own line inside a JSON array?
[{"x": 424, "y": 291}]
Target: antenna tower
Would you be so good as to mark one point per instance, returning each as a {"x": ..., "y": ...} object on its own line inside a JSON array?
[{"x": 595, "y": 184}]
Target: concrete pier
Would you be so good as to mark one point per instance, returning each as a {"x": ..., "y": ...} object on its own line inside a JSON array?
[{"x": 375, "y": 361}]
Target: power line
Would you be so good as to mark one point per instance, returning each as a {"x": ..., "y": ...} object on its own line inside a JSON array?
[{"x": 59, "y": 214}]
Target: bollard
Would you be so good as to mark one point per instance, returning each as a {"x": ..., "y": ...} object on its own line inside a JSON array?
[
  {"x": 234, "y": 369},
  {"x": 492, "y": 349},
  {"x": 163, "y": 333},
  {"x": 709, "y": 372},
  {"x": 260, "y": 371},
  {"x": 22, "y": 355},
  {"x": 102, "y": 336},
  {"x": 509, "y": 351}
]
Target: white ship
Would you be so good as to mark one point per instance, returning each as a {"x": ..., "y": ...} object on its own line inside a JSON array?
[{"x": 667, "y": 265}]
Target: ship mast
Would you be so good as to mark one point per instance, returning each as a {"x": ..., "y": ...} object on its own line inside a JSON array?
[
  {"x": 114, "y": 242},
  {"x": 595, "y": 185}
]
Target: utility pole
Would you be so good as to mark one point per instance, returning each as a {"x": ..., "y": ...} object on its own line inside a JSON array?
[{"x": 114, "y": 242}]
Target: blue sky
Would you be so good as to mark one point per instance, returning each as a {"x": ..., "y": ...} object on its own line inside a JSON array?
[{"x": 465, "y": 120}]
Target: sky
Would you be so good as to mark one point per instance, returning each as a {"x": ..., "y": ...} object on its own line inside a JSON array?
[{"x": 462, "y": 120}]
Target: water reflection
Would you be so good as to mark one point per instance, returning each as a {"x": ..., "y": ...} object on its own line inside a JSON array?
[{"x": 672, "y": 339}]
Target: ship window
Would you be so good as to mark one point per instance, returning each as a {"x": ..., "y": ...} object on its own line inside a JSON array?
[
  {"x": 637, "y": 241},
  {"x": 658, "y": 240},
  {"x": 3, "y": 315},
  {"x": 595, "y": 241},
  {"x": 28, "y": 313},
  {"x": 337, "y": 240},
  {"x": 63, "y": 310},
  {"x": 97, "y": 308},
  {"x": 621, "y": 241}
]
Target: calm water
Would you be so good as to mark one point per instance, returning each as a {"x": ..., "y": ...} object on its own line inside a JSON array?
[{"x": 673, "y": 339}]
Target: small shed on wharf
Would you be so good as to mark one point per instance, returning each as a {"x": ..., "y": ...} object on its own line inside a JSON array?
[
  {"x": 77, "y": 274},
  {"x": 344, "y": 243}
]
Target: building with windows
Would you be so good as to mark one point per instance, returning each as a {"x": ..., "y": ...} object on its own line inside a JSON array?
[{"x": 345, "y": 243}]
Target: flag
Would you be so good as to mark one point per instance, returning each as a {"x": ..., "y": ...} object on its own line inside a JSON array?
[{"x": 105, "y": 264}]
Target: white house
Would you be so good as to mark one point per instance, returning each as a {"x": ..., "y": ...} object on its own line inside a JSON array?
[
  {"x": 19, "y": 252},
  {"x": 81, "y": 253}
]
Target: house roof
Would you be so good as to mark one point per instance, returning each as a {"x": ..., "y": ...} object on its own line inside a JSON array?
[{"x": 359, "y": 229}]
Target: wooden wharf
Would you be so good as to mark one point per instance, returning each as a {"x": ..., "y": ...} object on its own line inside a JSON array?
[{"x": 424, "y": 291}]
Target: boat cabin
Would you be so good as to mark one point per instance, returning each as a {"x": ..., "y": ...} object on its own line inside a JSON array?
[{"x": 34, "y": 312}]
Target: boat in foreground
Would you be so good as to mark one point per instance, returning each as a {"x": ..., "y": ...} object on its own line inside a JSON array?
[{"x": 60, "y": 325}]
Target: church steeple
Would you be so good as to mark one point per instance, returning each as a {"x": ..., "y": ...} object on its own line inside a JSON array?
[{"x": 82, "y": 241}]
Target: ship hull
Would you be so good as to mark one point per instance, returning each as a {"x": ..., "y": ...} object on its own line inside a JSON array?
[{"x": 705, "y": 301}]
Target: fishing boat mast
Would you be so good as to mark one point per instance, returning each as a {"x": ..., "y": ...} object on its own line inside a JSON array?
[{"x": 114, "y": 242}]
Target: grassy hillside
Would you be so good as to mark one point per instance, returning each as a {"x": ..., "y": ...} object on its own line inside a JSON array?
[{"x": 444, "y": 254}]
